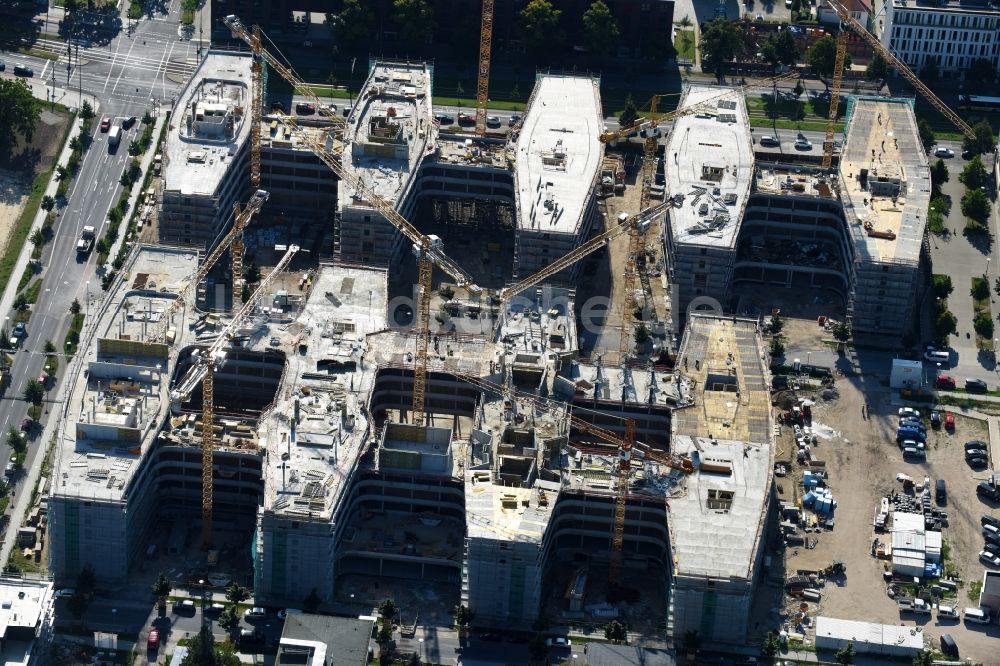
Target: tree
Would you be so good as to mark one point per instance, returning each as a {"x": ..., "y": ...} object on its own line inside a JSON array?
[
  {"x": 161, "y": 587},
  {"x": 926, "y": 133},
  {"x": 600, "y": 30},
  {"x": 976, "y": 206},
  {"x": 616, "y": 632},
  {"x": 463, "y": 616},
  {"x": 86, "y": 111},
  {"x": 779, "y": 48},
  {"x": 49, "y": 348},
  {"x": 941, "y": 285},
  {"x": 878, "y": 69},
  {"x": 414, "y": 20},
  {"x": 236, "y": 593},
  {"x": 721, "y": 41},
  {"x": 776, "y": 324},
  {"x": 353, "y": 25},
  {"x": 925, "y": 658},
  {"x": 981, "y": 72},
  {"x": 822, "y": 56},
  {"x": 777, "y": 347},
  {"x": 540, "y": 26},
  {"x": 983, "y": 323},
  {"x": 692, "y": 641},
  {"x": 985, "y": 140},
  {"x": 841, "y": 332},
  {"x": 387, "y": 611},
  {"x": 34, "y": 392},
  {"x": 980, "y": 289},
  {"x": 641, "y": 334},
  {"x": 311, "y": 602},
  {"x": 86, "y": 581},
  {"x": 77, "y": 605},
  {"x": 48, "y": 203},
  {"x": 251, "y": 274},
  {"x": 74, "y": 307},
  {"x": 845, "y": 655},
  {"x": 202, "y": 651},
  {"x": 939, "y": 173},
  {"x": 229, "y": 619},
  {"x": 37, "y": 237},
  {"x": 414, "y": 660},
  {"x": 929, "y": 72},
  {"x": 629, "y": 114},
  {"x": 974, "y": 174},
  {"x": 770, "y": 645},
  {"x": 945, "y": 324},
  {"x": 18, "y": 114},
  {"x": 14, "y": 439}
]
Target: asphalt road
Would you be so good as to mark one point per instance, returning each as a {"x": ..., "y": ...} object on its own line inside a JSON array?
[{"x": 123, "y": 76}]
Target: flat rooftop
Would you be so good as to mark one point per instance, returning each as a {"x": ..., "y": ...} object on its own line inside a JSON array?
[
  {"x": 472, "y": 151},
  {"x": 326, "y": 382},
  {"x": 709, "y": 161},
  {"x": 871, "y": 635},
  {"x": 791, "y": 180},
  {"x": 115, "y": 408},
  {"x": 885, "y": 179},
  {"x": 507, "y": 513},
  {"x": 559, "y": 153},
  {"x": 209, "y": 126},
  {"x": 724, "y": 359},
  {"x": 716, "y": 527},
  {"x": 390, "y": 129},
  {"x": 964, "y": 6}
]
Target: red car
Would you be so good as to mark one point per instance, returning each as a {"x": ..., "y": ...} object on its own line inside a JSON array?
[
  {"x": 945, "y": 382},
  {"x": 305, "y": 108},
  {"x": 105, "y": 123},
  {"x": 153, "y": 642},
  {"x": 949, "y": 420},
  {"x": 466, "y": 119}
]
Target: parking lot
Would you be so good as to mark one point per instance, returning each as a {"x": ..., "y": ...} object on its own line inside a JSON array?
[{"x": 862, "y": 460}]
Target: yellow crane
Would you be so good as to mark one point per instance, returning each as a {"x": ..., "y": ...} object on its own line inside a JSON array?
[
  {"x": 483, "y": 83},
  {"x": 256, "y": 100},
  {"x": 831, "y": 116},
  {"x": 892, "y": 61},
  {"x": 204, "y": 364},
  {"x": 242, "y": 216},
  {"x": 428, "y": 249}
]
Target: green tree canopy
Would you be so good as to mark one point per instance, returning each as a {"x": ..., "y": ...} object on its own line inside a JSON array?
[
  {"x": 616, "y": 632},
  {"x": 229, "y": 619},
  {"x": 311, "y": 602},
  {"x": 18, "y": 114},
  {"x": 822, "y": 56},
  {"x": 161, "y": 586},
  {"x": 985, "y": 140},
  {"x": 600, "y": 30},
  {"x": 202, "y": 651},
  {"x": 236, "y": 593},
  {"x": 878, "y": 68},
  {"x": 926, "y": 133},
  {"x": 463, "y": 616},
  {"x": 629, "y": 114},
  {"x": 779, "y": 48},
  {"x": 841, "y": 332},
  {"x": 974, "y": 174},
  {"x": 939, "y": 173},
  {"x": 414, "y": 20},
  {"x": 845, "y": 655},
  {"x": 540, "y": 26},
  {"x": 721, "y": 41},
  {"x": 945, "y": 324},
  {"x": 353, "y": 25},
  {"x": 941, "y": 285},
  {"x": 34, "y": 392},
  {"x": 976, "y": 206}
]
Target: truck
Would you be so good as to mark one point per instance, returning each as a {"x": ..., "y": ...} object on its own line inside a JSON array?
[
  {"x": 114, "y": 137},
  {"x": 86, "y": 242}
]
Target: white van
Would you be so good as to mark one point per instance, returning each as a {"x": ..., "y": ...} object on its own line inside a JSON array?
[
  {"x": 947, "y": 611},
  {"x": 937, "y": 356},
  {"x": 977, "y": 615}
]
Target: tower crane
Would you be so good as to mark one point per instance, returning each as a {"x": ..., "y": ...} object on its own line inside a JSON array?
[
  {"x": 850, "y": 22},
  {"x": 204, "y": 365},
  {"x": 626, "y": 448},
  {"x": 256, "y": 100},
  {"x": 483, "y": 84},
  {"x": 428, "y": 249},
  {"x": 242, "y": 217}
]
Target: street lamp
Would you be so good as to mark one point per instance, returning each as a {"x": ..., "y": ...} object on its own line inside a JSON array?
[{"x": 420, "y": 642}]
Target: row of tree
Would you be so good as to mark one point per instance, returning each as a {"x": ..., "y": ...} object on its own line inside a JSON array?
[{"x": 541, "y": 26}]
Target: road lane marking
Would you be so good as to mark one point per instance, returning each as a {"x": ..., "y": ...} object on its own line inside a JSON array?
[
  {"x": 125, "y": 65},
  {"x": 111, "y": 69}
]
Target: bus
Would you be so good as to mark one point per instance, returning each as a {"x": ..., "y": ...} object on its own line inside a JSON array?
[{"x": 979, "y": 102}]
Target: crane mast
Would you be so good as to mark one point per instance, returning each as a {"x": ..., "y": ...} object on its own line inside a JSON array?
[{"x": 483, "y": 83}]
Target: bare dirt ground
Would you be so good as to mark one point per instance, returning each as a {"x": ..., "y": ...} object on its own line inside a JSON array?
[
  {"x": 18, "y": 172},
  {"x": 862, "y": 460}
]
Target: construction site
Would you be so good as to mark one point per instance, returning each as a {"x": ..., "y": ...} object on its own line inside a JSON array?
[{"x": 421, "y": 404}]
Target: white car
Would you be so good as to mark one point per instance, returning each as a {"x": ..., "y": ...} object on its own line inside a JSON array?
[
  {"x": 941, "y": 151},
  {"x": 803, "y": 144},
  {"x": 493, "y": 121},
  {"x": 989, "y": 558},
  {"x": 948, "y": 611},
  {"x": 256, "y": 611},
  {"x": 65, "y": 592},
  {"x": 558, "y": 641},
  {"x": 909, "y": 411}
]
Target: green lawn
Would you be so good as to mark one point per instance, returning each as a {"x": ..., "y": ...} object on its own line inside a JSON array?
[{"x": 684, "y": 42}]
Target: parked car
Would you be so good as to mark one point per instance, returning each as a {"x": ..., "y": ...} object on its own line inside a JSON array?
[
  {"x": 941, "y": 151},
  {"x": 948, "y": 611},
  {"x": 975, "y": 444},
  {"x": 444, "y": 118},
  {"x": 153, "y": 640},
  {"x": 184, "y": 606},
  {"x": 948, "y": 645},
  {"x": 977, "y": 462},
  {"x": 992, "y": 548},
  {"x": 945, "y": 382},
  {"x": 989, "y": 520},
  {"x": 913, "y": 423},
  {"x": 558, "y": 641},
  {"x": 973, "y": 453},
  {"x": 256, "y": 611},
  {"x": 21, "y": 70},
  {"x": 935, "y": 420},
  {"x": 909, "y": 411},
  {"x": 949, "y": 421},
  {"x": 989, "y": 559},
  {"x": 975, "y": 386},
  {"x": 65, "y": 593}
]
